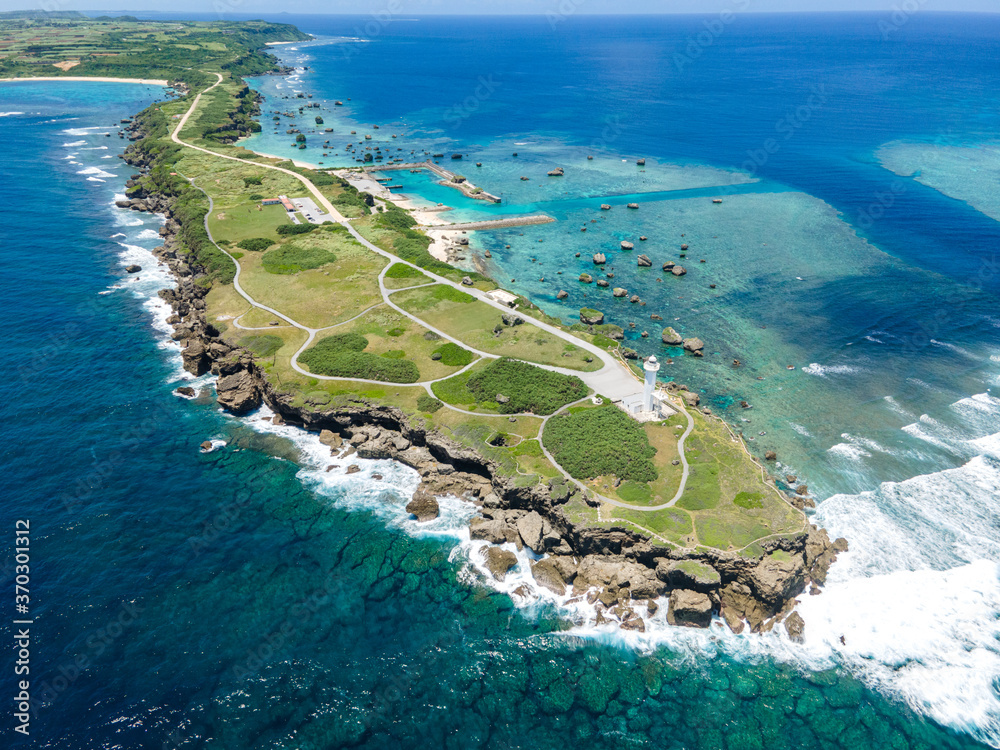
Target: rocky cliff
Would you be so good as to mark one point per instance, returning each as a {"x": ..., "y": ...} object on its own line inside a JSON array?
[{"x": 619, "y": 571}]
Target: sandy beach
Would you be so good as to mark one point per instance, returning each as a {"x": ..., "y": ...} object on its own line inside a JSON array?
[{"x": 102, "y": 79}]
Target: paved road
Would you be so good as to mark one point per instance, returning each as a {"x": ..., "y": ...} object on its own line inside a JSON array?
[{"x": 614, "y": 380}]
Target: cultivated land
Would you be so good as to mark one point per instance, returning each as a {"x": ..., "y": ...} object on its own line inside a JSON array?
[{"x": 355, "y": 317}]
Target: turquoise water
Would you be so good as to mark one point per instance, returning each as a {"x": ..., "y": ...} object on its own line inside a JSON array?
[{"x": 249, "y": 598}]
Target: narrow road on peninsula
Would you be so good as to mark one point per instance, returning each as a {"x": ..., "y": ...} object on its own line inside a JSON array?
[{"x": 614, "y": 380}]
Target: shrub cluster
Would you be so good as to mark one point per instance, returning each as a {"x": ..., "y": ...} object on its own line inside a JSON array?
[
  {"x": 344, "y": 356},
  {"x": 255, "y": 244},
  {"x": 295, "y": 228},
  {"x": 603, "y": 441},
  {"x": 264, "y": 345},
  {"x": 292, "y": 259},
  {"x": 452, "y": 355},
  {"x": 529, "y": 388},
  {"x": 429, "y": 404}
]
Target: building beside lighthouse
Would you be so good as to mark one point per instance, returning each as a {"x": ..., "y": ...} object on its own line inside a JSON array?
[{"x": 649, "y": 405}]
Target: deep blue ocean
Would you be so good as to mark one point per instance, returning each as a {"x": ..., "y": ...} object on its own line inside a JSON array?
[{"x": 245, "y": 598}]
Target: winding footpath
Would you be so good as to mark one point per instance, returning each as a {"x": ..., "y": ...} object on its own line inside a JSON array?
[{"x": 613, "y": 380}]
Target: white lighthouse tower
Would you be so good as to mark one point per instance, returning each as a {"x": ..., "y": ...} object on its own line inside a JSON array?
[{"x": 651, "y": 368}]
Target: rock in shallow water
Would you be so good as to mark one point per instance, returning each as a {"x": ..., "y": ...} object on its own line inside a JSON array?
[
  {"x": 499, "y": 561},
  {"x": 424, "y": 506},
  {"x": 689, "y": 608}
]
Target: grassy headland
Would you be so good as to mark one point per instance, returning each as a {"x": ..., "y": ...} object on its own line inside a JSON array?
[{"x": 327, "y": 281}]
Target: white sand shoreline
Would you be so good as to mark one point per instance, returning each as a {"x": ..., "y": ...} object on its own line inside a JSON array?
[{"x": 100, "y": 79}]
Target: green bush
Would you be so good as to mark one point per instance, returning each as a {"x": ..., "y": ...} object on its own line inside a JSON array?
[
  {"x": 256, "y": 197},
  {"x": 343, "y": 356},
  {"x": 403, "y": 271},
  {"x": 529, "y": 388},
  {"x": 292, "y": 259},
  {"x": 635, "y": 492},
  {"x": 254, "y": 180},
  {"x": 263, "y": 345},
  {"x": 428, "y": 403},
  {"x": 395, "y": 332},
  {"x": 749, "y": 500},
  {"x": 295, "y": 228},
  {"x": 255, "y": 244},
  {"x": 602, "y": 441},
  {"x": 394, "y": 354},
  {"x": 453, "y": 355}
]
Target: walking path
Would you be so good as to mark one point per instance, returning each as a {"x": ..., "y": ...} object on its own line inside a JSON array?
[{"x": 613, "y": 380}]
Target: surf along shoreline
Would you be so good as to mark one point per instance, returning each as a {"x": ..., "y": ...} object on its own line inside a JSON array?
[{"x": 626, "y": 575}]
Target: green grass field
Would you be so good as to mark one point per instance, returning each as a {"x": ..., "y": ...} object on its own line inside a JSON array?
[{"x": 473, "y": 322}]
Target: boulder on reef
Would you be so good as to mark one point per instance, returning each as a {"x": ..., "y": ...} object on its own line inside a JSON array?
[
  {"x": 691, "y": 609},
  {"x": 643, "y": 261},
  {"x": 586, "y": 278},
  {"x": 423, "y": 505},
  {"x": 795, "y": 627},
  {"x": 195, "y": 358},
  {"x": 627, "y": 245},
  {"x": 671, "y": 337},
  {"x": 619, "y": 292},
  {"x": 678, "y": 270},
  {"x": 600, "y": 259},
  {"x": 693, "y": 345},
  {"x": 563, "y": 294},
  {"x": 499, "y": 561},
  {"x": 237, "y": 393}
]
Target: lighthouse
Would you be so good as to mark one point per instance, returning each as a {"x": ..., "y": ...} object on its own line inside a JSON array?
[{"x": 651, "y": 368}]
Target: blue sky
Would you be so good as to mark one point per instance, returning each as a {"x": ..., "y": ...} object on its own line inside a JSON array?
[{"x": 360, "y": 7}]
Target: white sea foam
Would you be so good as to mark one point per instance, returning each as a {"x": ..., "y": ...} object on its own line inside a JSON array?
[
  {"x": 953, "y": 348},
  {"x": 95, "y": 148},
  {"x": 10, "y": 114},
  {"x": 96, "y": 172},
  {"x": 896, "y": 407},
  {"x": 850, "y": 451},
  {"x": 82, "y": 131},
  {"x": 74, "y": 144},
  {"x": 148, "y": 234},
  {"x": 825, "y": 370},
  {"x": 95, "y": 179},
  {"x": 800, "y": 429}
]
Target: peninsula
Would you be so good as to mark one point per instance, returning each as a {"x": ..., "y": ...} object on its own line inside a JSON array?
[{"x": 303, "y": 293}]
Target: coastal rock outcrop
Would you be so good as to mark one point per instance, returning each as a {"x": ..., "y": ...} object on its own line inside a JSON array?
[
  {"x": 618, "y": 566},
  {"x": 238, "y": 393},
  {"x": 423, "y": 505},
  {"x": 671, "y": 337},
  {"x": 498, "y": 561},
  {"x": 691, "y": 609},
  {"x": 693, "y": 345}
]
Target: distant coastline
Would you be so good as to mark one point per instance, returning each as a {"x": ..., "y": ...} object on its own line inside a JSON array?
[{"x": 101, "y": 79}]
